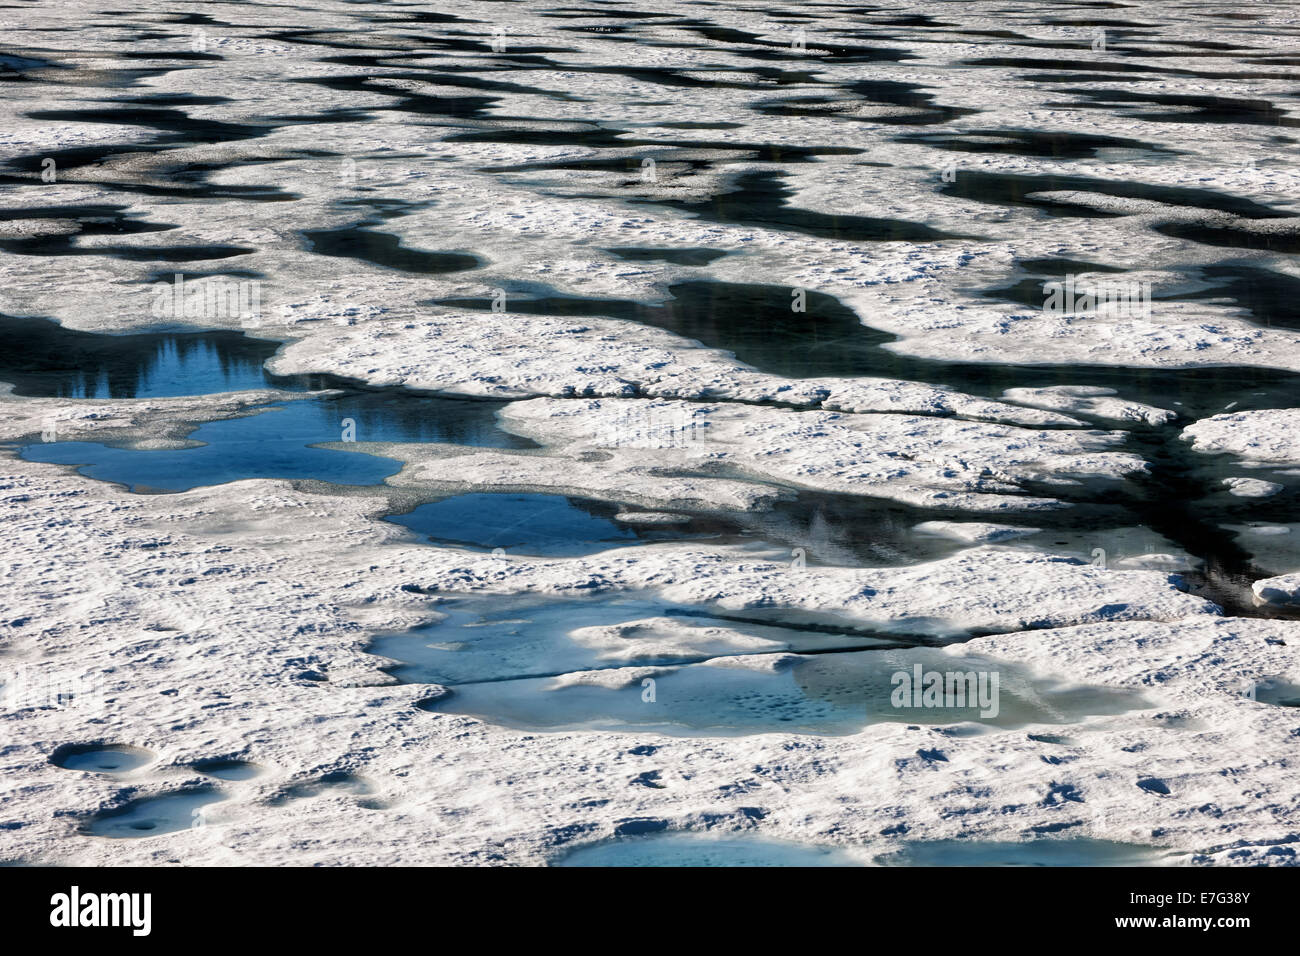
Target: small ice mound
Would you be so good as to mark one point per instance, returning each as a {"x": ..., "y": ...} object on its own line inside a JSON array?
[
  {"x": 973, "y": 532},
  {"x": 1266, "y": 435},
  {"x": 1251, "y": 487},
  {"x": 651, "y": 517},
  {"x": 1089, "y": 400},
  {"x": 153, "y": 816},
  {"x": 1282, "y": 590},
  {"x": 1075, "y": 851},
  {"x": 614, "y": 678},
  {"x": 1157, "y": 562},
  {"x": 229, "y": 769},
  {"x": 758, "y": 663},
  {"x": 101, "y": 758},
  {"x": 692, "y": 849},
  {"x": 662, "y": 638}
]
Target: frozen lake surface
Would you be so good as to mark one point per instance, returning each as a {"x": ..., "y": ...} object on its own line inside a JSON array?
[{"x": 451, "y": 434}]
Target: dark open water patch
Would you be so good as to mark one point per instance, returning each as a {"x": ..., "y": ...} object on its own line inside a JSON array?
[
  {"x": 684, "y": 256},
  {"x": 102, "y": 219},
  {"x": 923, "y": 110},
  {"x": 1267, "y": 295},
  {"x": 760, "y": 199},
  {"x": 756, "y": 324},
  {"x": 1110, "y": 65},
  {"x": 1081, "y": 78},
  {"x": 611, "y": 12},
  {"x": 44, "y": 359},
  {"x": 679, "y": 153},
  {"x": 423, "y": 104},
  {"x": 847, "y": 530},
  {"x": 385, "y": 249},
  {"x": 186, "y": 183},
  {"x": 1056, "y": 267},
  {"x": 64, "y": 246},
  {"x": 532, "y": 524},
  {"x": 1016, "y": 189},
  {"x": 822, "y": 529},
  {"x": 446, "y": 75},
  {"x": 1051, "y": 144},
  {"x": 12, "y": 63},
  {"x": 1180, "y": 499},
  {"x": 1190, "y": 108},
  {"x": 334, "y": 783},
  {"x": 753, "y": 46},
  {"x": 1233, "y": 237},
  {"x": 1270, "y": 297},
  {"x": 176, "y": 126},
  {"x": 278, "y": 443},
  {"x": 423, "y": 16},
  {"x": 168, "y": 54}
]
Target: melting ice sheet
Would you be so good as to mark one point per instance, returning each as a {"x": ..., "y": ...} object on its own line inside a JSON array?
[
  {"x": 270, "y": 445},
  {"x": 812, "y": 694},
  {"x": 637, "y": 664},
  {"x": 505, "y": 639}
]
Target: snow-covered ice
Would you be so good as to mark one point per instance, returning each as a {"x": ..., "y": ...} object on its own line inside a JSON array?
[{"x": 702, "y": 274}]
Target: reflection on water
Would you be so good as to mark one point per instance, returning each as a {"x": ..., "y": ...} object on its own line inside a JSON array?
[
  {"x": 548, "y": 525},
  {"x": 534, "y": 524},
  {"x": 277, "y": 443},
  {"x": 42, "y": 358}
]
